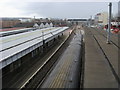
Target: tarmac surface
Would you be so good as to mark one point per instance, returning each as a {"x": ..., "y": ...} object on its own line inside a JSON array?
[{"x": 101, "y": 60}]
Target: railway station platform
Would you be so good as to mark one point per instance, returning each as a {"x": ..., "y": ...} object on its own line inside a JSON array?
[
  {"x": 16, "y": 46},
  {"x": 101, "y": 60},
  {"x": 66, "y": 73},
  {"x": 18, "y": 52}
]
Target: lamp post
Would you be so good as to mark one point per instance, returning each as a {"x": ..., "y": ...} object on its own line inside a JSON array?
[
  {"x": 109, "y": 23},
  {"x": 42, "y": 35},
  {"x": 43, "y": 41},
  {"x": 90, "y": 23}
]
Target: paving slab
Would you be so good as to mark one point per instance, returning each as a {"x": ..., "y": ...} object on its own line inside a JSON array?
[{"x": 97, "y": 73}]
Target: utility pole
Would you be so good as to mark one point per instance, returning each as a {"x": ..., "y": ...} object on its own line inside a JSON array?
[
  {"x": 34, "y": 22},
  {"x": 43, "y": 36},
  {"x": 109, "y": 24},
  {"x": 90, "y": 20}
]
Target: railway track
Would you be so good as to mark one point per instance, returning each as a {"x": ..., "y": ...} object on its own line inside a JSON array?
[
  {"x": 95, "y": 32},
  {"x": 103, "y": 34},
  {"x": 43, "y": 71}
]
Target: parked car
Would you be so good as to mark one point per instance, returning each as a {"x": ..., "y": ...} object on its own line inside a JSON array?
[{"x": 114, "y": 28}]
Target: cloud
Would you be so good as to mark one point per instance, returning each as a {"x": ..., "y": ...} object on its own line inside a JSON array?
[
  {"x": 60, "y": 0},
  {"x": 6, "y": 11},
  {"x": 54, "y": 9},
  {"x": 16, "y": 9}
]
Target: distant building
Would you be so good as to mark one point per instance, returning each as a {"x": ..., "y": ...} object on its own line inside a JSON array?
[
  {"x": 37, "y": 25},
  {"x": 51, "y": 24},
  {"x": 7, "y": 23},
  {"x": 47, "y": 25},
  {"x": 41, "y": 25},
  {"x": 101, "y": 18},
  {"x": 25, "y": 24},
  {"x": 26, "y": 20}
]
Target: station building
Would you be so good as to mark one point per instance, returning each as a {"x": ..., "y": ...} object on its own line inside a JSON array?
[{"x": 101, "y": 18}]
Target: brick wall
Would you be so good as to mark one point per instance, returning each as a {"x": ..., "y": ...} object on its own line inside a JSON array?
[{"x": 9, "y": 23}]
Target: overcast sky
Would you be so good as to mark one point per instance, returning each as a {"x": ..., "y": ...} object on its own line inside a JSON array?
[{"x": 52, "y": 9}]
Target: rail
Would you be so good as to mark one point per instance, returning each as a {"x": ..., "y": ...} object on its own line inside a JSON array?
[{"x": 43, "y": 68}]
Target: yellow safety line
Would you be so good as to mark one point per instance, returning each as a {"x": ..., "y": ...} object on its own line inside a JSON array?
[
  {"x": 22, "y": 36},
  {"x": 54, "y": 80},
  {"x": 67, "y": 73},
  {"x": 58, "y": 82},
  {"x": 61, "y": 85},
  {"x": 65, "y": 69}
]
